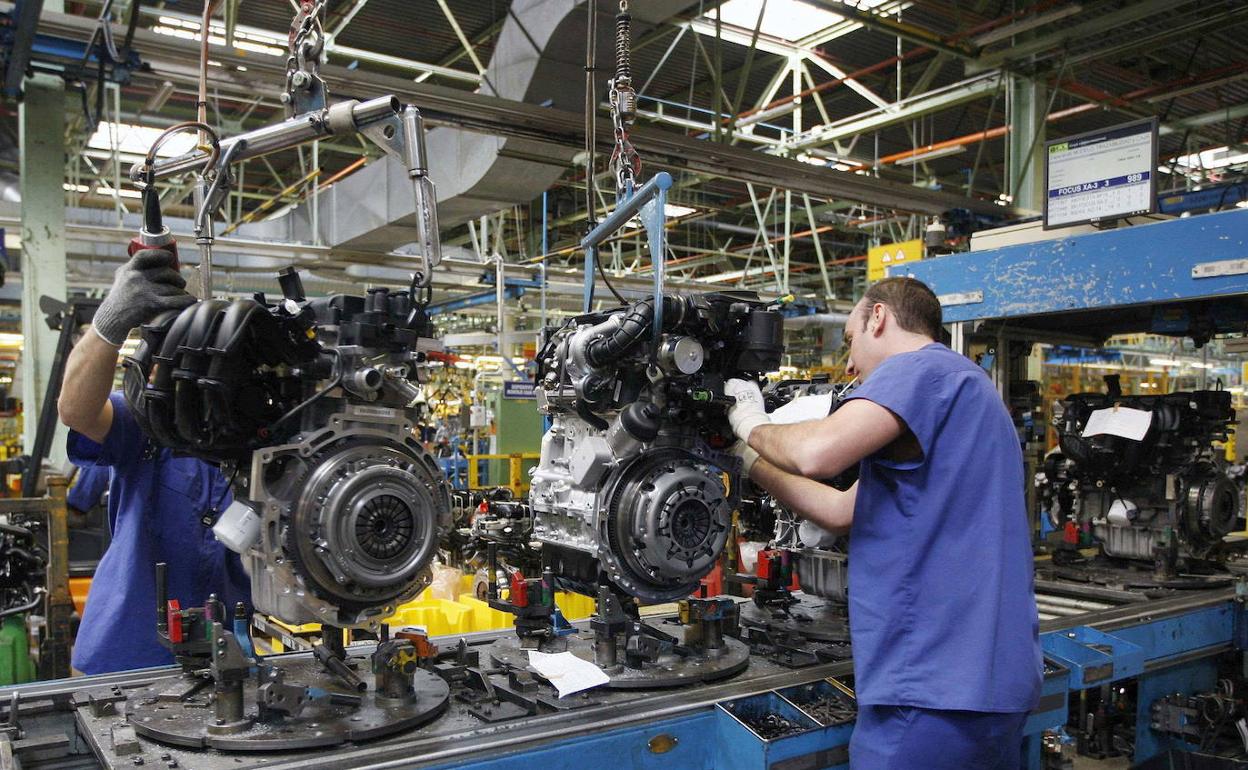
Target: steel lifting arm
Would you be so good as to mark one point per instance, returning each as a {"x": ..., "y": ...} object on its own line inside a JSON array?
[{"x": 397, "y": 130}]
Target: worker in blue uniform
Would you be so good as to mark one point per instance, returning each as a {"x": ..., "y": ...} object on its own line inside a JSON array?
[
  {"x": 942, "y": 610},
  {"x": 158, "y": 502}
]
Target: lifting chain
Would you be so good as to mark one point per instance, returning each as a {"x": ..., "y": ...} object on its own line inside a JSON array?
[
  {"x": 305, "y": 90},
  {"x": 625, "y": 162}
]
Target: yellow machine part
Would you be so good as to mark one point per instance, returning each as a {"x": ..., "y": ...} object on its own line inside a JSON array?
[{"x": 465, "y": 615}]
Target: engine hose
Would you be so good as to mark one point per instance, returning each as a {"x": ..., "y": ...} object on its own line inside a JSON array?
[
  {"x": 27, "y": 607},
  {"x": 22, "y": 532},
  {"x": 634, "y": 325},
  {"x": 582, "y": 411},
  {"x": 26, "y": 556}
]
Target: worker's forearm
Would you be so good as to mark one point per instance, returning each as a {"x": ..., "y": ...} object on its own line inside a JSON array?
[
  {"x": 84, "y": 404},
  {"x": 827, "y": 507},
  {"x": 780, "y": 445}
]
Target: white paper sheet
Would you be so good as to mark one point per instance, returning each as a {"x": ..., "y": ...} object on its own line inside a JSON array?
[
  {"x": 568, "y": 673},
  {"x": 803, "y": 408},
  {"x": 1120, "y": 421}
]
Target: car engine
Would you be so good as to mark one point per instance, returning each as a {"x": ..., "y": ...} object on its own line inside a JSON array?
[
  {"x": 634, "y": 487},
  {"x": 308, "y": 407},
  {"x": 1163, "y": 497}
]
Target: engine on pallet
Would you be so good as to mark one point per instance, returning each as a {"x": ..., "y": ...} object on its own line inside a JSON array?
[
  {"x": 633, "y": 494},
  {"x": 307, "y": 407},
  {"x": 1162, "y": 494},
  {"x": 630, "y": 484},
  {"x": 796, "y": 629}
]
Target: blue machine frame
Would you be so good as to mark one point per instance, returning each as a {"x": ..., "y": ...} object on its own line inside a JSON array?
[{"x": 1197, "y": 257}]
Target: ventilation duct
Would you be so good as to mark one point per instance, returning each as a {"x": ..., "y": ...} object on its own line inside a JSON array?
[{"x": 540, "y": 59}]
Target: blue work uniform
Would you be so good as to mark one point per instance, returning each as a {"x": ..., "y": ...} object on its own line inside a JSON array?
[
  {"x": 88, "y": 488},
  {"x": 155, "y": 504},
  {"x": 941, "y": 582}
]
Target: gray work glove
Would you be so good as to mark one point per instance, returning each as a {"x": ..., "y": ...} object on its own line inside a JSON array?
[{"x": 142, "y": 288}]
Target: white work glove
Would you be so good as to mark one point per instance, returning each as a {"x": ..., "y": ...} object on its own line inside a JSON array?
[
  {"x": 747, "y": 414},
  {"x": 748, "y": 457}
]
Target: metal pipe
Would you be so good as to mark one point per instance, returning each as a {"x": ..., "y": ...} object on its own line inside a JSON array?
[
  {"x": 500, "y": 296},
  {"x": 1062, "y": 611},
  {"x": 201, "y": 104},
  {"x": 545, "y": 247},
  {"x": 415, "y": 158},
  {"x": 287, "y": 134},
  {"x": 1063, "y": 601},
  {"x": 658, "y": 257}
]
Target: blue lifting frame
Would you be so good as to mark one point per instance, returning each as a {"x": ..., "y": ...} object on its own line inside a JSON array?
[{"x": 650, "y": 201}]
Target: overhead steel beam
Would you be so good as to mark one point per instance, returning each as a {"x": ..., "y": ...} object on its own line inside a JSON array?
[
  {"x": 1157, "y": 37},
  {"x": 331, "y": 47},
  {"x": 1026, "y": 24},
  {"x": 1127, "y": 14},
  {"x": 1205, "y": 119},
  {"x": 903, "y": 111},
  {"x": 347, "y": 18},
  {"x": 502, "y": 117},
  {"x": 892, "y": 26}
]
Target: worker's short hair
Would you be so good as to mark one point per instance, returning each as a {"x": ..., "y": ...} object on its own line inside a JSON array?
[{"x": 914, "y": 305}]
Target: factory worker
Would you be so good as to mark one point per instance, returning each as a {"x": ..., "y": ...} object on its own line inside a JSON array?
[
  {"x": 941, "y": 606},
  {"x": 157, "y": 503}
]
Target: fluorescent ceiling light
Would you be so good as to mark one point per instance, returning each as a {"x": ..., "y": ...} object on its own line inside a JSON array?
[
  {"x": 943, "y": 152},
  {"x": 785, "y": 19},
  {"x": 102, "y": 190},
  {"x": 137, "y": 140},
  {"x": 254, "y": 42},
  {"x": 1164, "y": 362},
  {"x": 82, "y": 189},
  {"x": 673, "y": 210},
  {"x": 1218, "y": 157}
]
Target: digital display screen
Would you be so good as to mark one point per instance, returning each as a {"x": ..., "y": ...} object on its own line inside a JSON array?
[{"x": 1105, "y": 174}]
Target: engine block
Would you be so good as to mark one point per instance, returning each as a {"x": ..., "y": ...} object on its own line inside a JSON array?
[
  {"x": 633, "y": 486},
  {"x": 1159, "y": 498},
  {"x": 308, "y": 406}
]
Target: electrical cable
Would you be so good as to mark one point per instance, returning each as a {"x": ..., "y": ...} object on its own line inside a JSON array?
[
  {"x": 603, "y": 274},
  {"x": 131, "y": 26},
  {"x": 335, "y": 382},
  {"x": 591, "y": 124}
]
